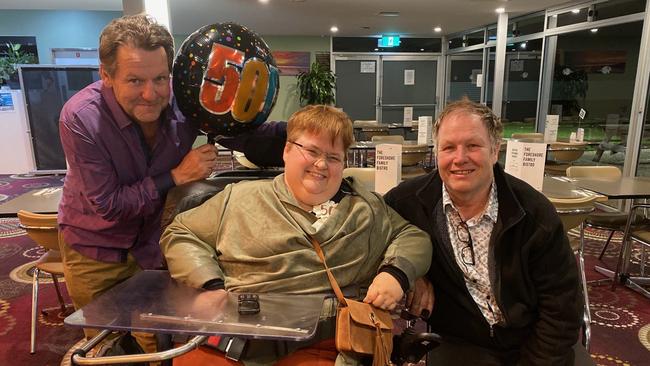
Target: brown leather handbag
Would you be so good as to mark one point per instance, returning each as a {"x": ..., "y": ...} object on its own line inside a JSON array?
[{"x": 361, "y": 328}]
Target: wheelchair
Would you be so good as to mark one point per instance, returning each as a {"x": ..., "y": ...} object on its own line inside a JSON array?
[{"x": 409, "y": 347}]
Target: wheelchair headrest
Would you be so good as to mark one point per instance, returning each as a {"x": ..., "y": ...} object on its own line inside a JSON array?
[{"x": 189, "y": 195}]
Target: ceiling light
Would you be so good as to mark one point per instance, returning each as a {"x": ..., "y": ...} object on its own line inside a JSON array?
[
  {"x": 334, "y": 29},
  {"x": 422, "y": 49},
  {"x": 575, "y": 11},
  {"x": 437, "y": 29},
  {"x": 263, "y": 1},
  {"x": 500, "y": 10},
  {"x": 594, "y": 30},
  {"x": 388, "y": 13},
  {"x": 523, "y": 45},
  {"x": 376, "y": 49}
]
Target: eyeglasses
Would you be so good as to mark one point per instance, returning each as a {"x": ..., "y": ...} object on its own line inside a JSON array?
[
  {"x": 464, "y": 237},
  {"x": 313, "y": 155}
]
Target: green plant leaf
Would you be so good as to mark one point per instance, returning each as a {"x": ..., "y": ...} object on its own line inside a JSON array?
[{"x": 317, "y": 85}]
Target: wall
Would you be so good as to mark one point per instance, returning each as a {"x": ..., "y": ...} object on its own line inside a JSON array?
[
  {"x": 288, "y": 101},
  {"x": 62, "y": 29},
  {"x": 56, "y": 29}
]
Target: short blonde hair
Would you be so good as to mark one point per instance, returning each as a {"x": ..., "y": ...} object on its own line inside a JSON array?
[
  {"x": 321, "y": 119},
  {"x": 491, "y": 122}
]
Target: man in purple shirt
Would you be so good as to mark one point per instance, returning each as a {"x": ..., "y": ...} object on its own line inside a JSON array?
[{"x": 126, "y": 145}]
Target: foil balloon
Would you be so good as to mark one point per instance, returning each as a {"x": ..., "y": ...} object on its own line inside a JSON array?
[{"x": 225, "y": 79}]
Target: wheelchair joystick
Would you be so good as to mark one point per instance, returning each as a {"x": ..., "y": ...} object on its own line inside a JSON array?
[{"x": 411, "y": 346}]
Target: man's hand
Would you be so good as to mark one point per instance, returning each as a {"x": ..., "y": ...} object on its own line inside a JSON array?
[
  {"x": 198, "y": 164},
  {"x": 384, "y": 292},
  {"x": 420, "y": 300}
]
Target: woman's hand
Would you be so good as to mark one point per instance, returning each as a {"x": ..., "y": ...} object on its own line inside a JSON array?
[
  {"x": 384, "y": 292},
  {"x": 209, "y": 303}
]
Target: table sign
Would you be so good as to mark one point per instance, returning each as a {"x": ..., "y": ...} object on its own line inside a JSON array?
[
  {"x": 550, "y": 128},
  {"x": 408, "y": 115},
  {"x": 388, "y": 167},
  {"x": 580, "y": 133},
  {"x": 525, "y": 160},
  {"x": 425, "y": 130}
]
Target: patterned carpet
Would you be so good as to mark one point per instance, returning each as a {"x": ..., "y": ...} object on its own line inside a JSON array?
[{"x": 620, "y": 329}]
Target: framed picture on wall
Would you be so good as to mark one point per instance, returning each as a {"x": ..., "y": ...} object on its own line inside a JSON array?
[{"x": 291, "y": 63}]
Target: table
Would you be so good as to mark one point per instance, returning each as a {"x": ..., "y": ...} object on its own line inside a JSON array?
[
  {"x": 360, "y": 151},
  {"x": 42, "y": 200},
  {"x": 562, "y": 188},
  {"x": 571, "y": 202},
  {"x": 151, "y": 301},
  {"x": 627, "y": 188}
]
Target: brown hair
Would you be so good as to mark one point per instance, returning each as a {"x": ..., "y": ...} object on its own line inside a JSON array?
[
  {"x": 140, "y": 31},
  {"x": 321, "y": 119},
  {"x": 491, "y": 122}
]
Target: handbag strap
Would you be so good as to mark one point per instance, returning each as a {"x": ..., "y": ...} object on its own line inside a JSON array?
[{"x": 330, "y": 276}]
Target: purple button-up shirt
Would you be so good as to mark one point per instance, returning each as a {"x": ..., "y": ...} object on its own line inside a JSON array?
[{"x": 113, "y": 196}]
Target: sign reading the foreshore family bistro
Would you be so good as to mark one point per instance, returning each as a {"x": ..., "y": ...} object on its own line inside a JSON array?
[
  {"x": 425, "y": 127},
  {"x": 388, "y": 167},
  {"x": 525, "y": 160}
]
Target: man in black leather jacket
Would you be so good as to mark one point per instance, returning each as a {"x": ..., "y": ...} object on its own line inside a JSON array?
[{"x": 505, "y": 278}]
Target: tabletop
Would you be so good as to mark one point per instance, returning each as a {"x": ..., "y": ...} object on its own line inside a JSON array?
[
  {"x": 151, "y": 301},
  {"x": 42, "y": 200},
  {"x": 624, "y": 188},
  {"x": 563, "y": 188}
]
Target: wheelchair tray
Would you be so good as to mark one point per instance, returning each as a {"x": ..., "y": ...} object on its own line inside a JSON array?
[{"x": 151, "y": 301}]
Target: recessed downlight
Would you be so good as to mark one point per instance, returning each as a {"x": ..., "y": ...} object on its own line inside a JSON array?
[
  {"x": 388, "y": 13},
  {"x": 437, "y": 29},
  {"x": 500, "y": 10},
  {"x": 575, "y": 11},
  {"x": 334, "y": 29}
]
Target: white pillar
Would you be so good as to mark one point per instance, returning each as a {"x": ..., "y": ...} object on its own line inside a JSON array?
[
  {"x": 500, "y": 63},
  {"x": 159, "y": 9}
]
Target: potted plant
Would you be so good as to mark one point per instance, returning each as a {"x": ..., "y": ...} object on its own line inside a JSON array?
[
  {"x": 10, "y": 58},
  {"x": 316, "y": 86}
]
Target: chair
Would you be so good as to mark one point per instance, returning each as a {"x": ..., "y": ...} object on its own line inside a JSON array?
[
  {"x": 640, "y": 235},
  {"x": 610, "y": 221},
  {"x": 43, "y": 229},
  {"x": 573, "y": 212},
  {"x": 365, "y": 176}
]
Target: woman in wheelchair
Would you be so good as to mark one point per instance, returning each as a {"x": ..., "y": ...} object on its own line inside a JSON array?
[{"x": 255, "y": 237}]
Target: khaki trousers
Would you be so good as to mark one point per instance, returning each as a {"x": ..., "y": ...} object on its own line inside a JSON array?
[{"x": 87, "y": 278}]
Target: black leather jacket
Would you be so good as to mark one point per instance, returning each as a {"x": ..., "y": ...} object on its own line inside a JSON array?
[{"x": 532, "y": 270}]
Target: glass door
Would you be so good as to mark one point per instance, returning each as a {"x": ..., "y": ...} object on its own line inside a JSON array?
[
  {"x": 408, "y": 81},
  {"x": 356, "y": 85},
  {"x": 464, "y": 76}
]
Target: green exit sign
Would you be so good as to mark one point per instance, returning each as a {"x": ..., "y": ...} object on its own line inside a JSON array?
[{"x": 388, "y": 41}]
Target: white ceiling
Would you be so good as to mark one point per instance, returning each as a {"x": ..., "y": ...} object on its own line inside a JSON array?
[{"x": 315, "y": 17}]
